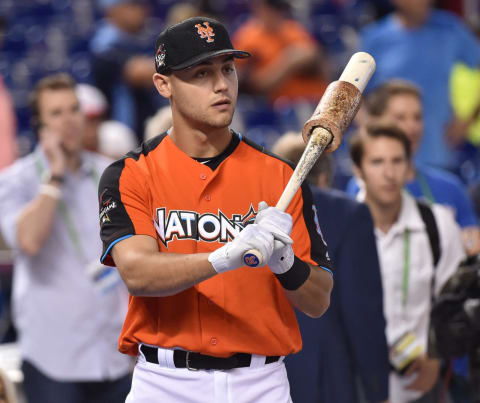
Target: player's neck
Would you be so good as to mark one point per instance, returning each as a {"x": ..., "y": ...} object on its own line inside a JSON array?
[
  {"x": 384, "y": 215},
  {"x": 199, "y": 143}
]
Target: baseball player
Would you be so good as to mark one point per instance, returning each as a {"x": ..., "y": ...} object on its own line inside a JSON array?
[{"x": 177, "y": 217}]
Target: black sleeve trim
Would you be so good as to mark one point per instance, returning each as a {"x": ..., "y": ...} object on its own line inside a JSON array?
[
  {"x": 146, "y": 147},
  {"x": 318, "y": 249},
  {"x": 114, "y": 223}
]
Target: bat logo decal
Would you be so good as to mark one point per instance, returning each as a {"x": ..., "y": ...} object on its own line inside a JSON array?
[{"x": 251, "y": 260}]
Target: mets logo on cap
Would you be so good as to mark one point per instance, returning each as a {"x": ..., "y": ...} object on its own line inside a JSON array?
[{"x": 206, "y": 31}]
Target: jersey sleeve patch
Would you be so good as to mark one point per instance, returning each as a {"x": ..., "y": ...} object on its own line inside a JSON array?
[
  {"x": 115, "y": 223},
  {"x": 123, "y": 209}
]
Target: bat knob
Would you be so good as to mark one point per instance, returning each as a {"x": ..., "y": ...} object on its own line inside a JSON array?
[{"x": 252, "y": 258}]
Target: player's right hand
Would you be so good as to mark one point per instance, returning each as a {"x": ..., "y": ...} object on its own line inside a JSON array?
[{"x": 230, "y": 256}]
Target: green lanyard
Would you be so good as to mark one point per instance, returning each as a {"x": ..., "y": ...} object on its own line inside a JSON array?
[
  {"x": 406, "y": 266},
  {"x": 426, "y": 191},
  {"x": 66, "y": 215}
]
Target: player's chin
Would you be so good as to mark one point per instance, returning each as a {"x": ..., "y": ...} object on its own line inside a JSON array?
[
  {"x": 222, "y": 113},
  {"x": 220, "y": 120}
]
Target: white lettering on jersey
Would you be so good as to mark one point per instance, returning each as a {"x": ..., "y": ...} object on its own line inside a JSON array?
[
  {"x": 174, "y": 226},
  {"x": 184, "y": 224}
]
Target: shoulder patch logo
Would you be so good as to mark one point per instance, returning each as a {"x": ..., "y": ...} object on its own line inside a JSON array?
[
  {"x": 107, "y": 205},
  {"x": 205, "y": 32}
]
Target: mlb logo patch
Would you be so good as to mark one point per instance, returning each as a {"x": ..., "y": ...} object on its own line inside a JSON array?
[{"x": 160, "y": 56}]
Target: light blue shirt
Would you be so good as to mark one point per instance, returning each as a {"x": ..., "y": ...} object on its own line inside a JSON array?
[
  {"x": 424, "y": 55},
  {"x": 67, "y": 327}
]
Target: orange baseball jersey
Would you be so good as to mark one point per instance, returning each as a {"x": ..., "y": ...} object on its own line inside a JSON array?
[{"x": 187, "y": 207}]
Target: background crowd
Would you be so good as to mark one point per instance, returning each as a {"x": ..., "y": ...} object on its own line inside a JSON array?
[{"x": 426, "y": 86}]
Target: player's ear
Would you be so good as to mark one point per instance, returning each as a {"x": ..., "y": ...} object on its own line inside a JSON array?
[{"x": 162, "y": 84}]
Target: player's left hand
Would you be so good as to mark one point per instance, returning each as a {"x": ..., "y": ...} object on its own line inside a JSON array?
[
  {"x": 279, "y": 224},
  {"x": 282, "y": 257},
  {"x": 276, "y": 221}
]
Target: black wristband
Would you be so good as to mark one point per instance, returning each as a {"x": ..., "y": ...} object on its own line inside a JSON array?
[
  {"x": 56, "y": 178},
  {"x": 296, "y": 276}
]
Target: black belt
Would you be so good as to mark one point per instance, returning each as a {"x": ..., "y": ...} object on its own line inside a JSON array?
[{"x": 195, "y": 361}]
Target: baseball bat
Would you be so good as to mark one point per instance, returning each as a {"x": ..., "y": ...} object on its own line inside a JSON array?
[{"x": 333, "y": 115}]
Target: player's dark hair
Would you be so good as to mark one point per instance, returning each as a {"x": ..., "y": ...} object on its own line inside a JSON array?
[
  {"x": 375, "y": 130},
  {"x": 54, "y": 82},
  {"x": 376, "y": 102}
]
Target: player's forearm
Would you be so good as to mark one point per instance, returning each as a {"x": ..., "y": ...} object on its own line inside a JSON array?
[
  {"x": 313, "y": 297},
  {"x": 35, "y": 222},
  {"x": 155, "y": 274}
]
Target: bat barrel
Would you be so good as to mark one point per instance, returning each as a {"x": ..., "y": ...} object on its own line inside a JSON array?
[{"x": 341, "y": 99}]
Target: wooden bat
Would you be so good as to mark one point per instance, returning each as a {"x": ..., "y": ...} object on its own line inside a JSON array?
[{"x": 325, "y": 128}]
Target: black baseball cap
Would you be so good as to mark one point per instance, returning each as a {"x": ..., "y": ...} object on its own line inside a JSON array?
[{"x": 190, "y": 42}]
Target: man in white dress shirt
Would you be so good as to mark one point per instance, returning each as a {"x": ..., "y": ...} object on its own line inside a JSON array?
[
  {"x": 67, "y": 308},
  {"x": 381, "y": 156}
]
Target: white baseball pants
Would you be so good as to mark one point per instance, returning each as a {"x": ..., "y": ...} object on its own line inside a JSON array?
[{"x": 164, "y": 383}]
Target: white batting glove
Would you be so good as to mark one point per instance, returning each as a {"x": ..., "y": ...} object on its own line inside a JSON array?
[
  {"x": 282, "y": 257},
  {"x": 230, "y": 256},
  {"x": 279, "y": 224},
  {"x": 276, "y": 221}
]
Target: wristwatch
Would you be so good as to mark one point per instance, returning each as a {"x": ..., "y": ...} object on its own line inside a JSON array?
[{"x": 57, "y": 179}]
